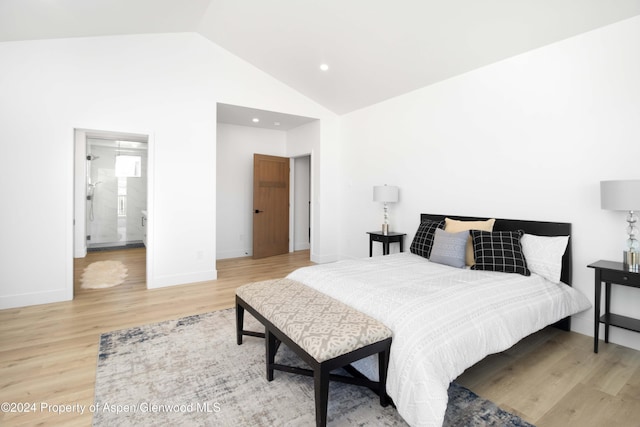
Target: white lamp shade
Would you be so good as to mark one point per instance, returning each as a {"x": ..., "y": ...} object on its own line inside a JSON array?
[
  {"x": 621, "y": 195},
  {"x": 385, "y": 193}
]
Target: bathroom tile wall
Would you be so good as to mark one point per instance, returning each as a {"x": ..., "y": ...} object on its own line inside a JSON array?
[{"x": 107, "y": 226}]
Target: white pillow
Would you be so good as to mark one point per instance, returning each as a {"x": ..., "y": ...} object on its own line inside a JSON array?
[{"x": 544, "y": 254}]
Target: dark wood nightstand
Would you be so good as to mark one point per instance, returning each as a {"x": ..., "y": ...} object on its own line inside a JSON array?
[
  {"x": 611, "y": 272},
  {"x": 391, "y": 237}
]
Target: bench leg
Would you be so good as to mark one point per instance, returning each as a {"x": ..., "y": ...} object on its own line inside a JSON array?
[
  {"x": 271, "y": 349},
  {"x": 239, "y": 323},
  {"x": 321, "y": 385},
  {"x": 383, "y": 364}
]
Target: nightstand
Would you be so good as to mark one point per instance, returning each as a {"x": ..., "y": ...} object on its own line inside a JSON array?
[
  {"x": 391, "y": 237},
  {"x": 611, "y": 272}
]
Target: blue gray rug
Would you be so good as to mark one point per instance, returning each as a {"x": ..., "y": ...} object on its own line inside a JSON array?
[{"x": 191, "y": 372}]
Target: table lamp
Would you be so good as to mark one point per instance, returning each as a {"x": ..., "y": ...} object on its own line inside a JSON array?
[
  {"x": 385, "y": 194},
  {"x": 624, "y": 195}
]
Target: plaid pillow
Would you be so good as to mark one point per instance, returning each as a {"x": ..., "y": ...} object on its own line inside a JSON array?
[
  {"x": 423, "y": 240},
  {"x": 499, "y": 251}
]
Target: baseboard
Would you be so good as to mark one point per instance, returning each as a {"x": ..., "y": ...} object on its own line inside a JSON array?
[
  {"x": 322, "y": 259},
  {"x": 182, "y": 279},
  {"x": 35, "y": 298},
  {"x": 234, "y": 254},
  {"x": 302, "y": 246}
]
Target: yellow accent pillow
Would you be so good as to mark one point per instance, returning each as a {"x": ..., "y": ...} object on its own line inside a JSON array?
[{"x": 455, "y": 226}]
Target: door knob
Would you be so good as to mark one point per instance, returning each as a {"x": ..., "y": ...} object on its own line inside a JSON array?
[{"x": 258, "y": 211}]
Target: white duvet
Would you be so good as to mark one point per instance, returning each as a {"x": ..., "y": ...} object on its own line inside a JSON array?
[{"x": 443, "y": 319}]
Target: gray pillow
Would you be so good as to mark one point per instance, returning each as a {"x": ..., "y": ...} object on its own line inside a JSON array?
[{"x": 449, "y": 248}]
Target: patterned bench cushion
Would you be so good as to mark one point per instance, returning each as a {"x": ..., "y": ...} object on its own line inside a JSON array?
[{"x": 323, "y": 327}]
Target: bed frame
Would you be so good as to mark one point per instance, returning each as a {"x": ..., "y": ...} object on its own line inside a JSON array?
[{"x": 540, "y": 228}]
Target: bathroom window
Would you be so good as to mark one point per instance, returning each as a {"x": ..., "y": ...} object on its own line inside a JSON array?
[{"x": 128, "y": 166}]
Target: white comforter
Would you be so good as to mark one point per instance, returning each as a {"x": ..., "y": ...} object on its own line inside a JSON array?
[{"x": 443, "y": 319}]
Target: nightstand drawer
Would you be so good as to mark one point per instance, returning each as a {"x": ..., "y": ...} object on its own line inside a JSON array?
[
  {"x": 620, "y": 277},
  {"x": 378, "y": 238}
]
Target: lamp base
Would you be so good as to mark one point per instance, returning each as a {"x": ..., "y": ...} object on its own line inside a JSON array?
[
  {"x": 385, "y": 229},
  {"x": 631, "y": 261}
]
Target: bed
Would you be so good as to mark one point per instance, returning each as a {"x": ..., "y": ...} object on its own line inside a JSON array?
[{"x": 446, "y": 318}]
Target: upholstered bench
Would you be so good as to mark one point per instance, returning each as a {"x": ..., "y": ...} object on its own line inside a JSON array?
[{"x": 322, "y": 331}]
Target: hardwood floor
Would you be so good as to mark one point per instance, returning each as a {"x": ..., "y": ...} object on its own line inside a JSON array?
[{"x": 48, "y": 353}]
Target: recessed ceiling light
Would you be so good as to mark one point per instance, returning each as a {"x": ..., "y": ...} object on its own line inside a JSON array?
[
  {"x": 324, "y": 67},
  {"x": 276, "y": 123},
  {"x": 255, "y": 120}
]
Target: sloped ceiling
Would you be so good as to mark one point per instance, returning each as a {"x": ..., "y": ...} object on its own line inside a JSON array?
[{"x": 375, "y": 49}]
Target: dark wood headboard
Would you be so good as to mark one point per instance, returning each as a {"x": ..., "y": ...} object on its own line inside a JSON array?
[{"x": 540, "y": 228}]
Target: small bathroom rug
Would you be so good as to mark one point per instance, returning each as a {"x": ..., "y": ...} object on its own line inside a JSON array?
[{"x": 103, "y": 274}]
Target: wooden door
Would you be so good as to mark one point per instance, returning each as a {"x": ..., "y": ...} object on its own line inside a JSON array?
[{"x": 270, "y": 205}]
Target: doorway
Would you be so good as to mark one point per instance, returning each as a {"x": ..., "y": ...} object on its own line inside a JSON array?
[
  {"x": 110, "y": 200},
  {"x": 241, "y": 132},
  {"x": 292, "y": 204},
  {"x": 301, "y": 206}
]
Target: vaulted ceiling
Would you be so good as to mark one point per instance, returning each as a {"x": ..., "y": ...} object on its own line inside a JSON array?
[{"x": 374, "y": 49}]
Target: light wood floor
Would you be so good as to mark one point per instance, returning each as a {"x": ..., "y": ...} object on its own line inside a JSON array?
[{"x": 48, "y": 353}]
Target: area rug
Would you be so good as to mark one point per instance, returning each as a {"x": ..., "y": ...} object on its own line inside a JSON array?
[
  {"x": 191, "y": 372},
  {"x": 103, "y": 274}
]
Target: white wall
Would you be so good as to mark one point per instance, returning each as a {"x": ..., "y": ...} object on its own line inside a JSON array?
[
  {"x": 529, "y": 138},
  {"x": 236, "y": 146},
  {"x": 321, "y": 140},
  {"x": 162, "y": 85}
]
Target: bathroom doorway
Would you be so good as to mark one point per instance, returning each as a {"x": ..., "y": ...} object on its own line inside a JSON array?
[{"x": 116, "y": 193}]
